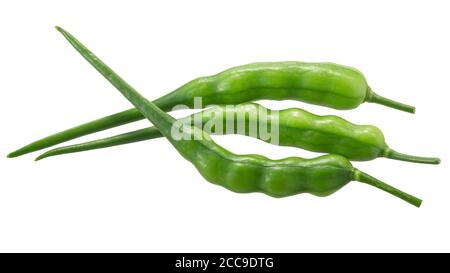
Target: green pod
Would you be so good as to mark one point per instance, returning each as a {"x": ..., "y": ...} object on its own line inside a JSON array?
[
  {"x": 244, "y": 173},
  {"x": 326, "y": 84},
  {"x": 291, "y": 127}
]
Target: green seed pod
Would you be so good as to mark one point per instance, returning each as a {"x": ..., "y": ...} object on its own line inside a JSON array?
[
  {"x": 325, "y": 84},
  {"x": 294, "y": 127},
  {"x": 245, "y": 173}
]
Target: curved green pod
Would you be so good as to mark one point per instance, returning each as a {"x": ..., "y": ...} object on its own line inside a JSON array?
[
  {"x": 294, "y": 127},
  {"x": 326, "y": 84},
  {"x": 245, "y": 173}
]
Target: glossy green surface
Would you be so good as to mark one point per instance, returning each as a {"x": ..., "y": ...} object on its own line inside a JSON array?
[
  {"x": 296, "y": 128},
  {"x": 242, "y": 173},
  {"x": 325, "y": 84}
]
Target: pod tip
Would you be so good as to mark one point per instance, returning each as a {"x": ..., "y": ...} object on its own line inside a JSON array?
[
  {"x": 42, "y": 156},
  {"x": 15, "y": 153},
  {"x": 418, "y": 203}
]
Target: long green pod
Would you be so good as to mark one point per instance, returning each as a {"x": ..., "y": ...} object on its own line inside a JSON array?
[
  {"x": 325, "y": 84},
  {"x": 320, "y": 176},
  {"x": 295, "y": 127}
]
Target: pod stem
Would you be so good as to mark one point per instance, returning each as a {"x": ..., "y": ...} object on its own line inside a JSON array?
[
  {"x": 375, "y": 98},
  {"x": 365, "y": 178},
  {"x": 411, "y": 158}
]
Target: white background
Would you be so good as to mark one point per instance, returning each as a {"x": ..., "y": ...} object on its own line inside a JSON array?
[{"x": 145, "y": 197}]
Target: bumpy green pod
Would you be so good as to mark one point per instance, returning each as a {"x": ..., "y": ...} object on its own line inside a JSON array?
[
  {"x": 244, "y": 173},
  {"x": 325, "y": 84},
  {"x": 291, "y": 127}
]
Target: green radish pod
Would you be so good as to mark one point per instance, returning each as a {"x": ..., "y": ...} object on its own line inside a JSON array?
[
  {"x": 327, "y": 84},
  {"x": 295, "y": 128},
  {"x": 320, "y": 176}
]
